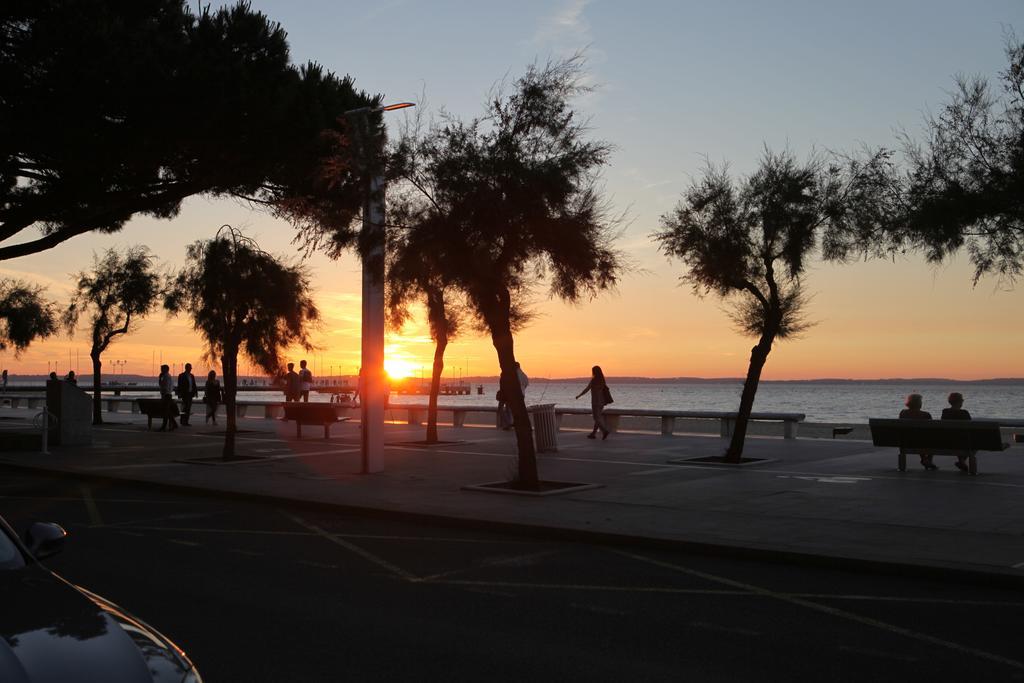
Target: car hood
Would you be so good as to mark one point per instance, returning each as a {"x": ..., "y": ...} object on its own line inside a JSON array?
[{"x": 51, "y": 631}]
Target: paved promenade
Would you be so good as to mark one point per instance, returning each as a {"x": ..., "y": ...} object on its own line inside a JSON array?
[{"x": 834, "y": 501}]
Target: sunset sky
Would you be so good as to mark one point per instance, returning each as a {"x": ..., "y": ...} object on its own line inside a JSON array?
[{"x": 679, "y": 82}]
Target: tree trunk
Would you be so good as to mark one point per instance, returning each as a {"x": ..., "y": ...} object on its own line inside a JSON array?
[
  {"x": 758, "y": 357},
  {"x": 97, "y": 392},
  {"x": 435, "y": 387},
  {"x": 230, "y": 369},
  {"x": 513, "y": 393}
]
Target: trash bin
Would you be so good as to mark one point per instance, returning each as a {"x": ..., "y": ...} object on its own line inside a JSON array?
[{"x": 545, "y": 427}]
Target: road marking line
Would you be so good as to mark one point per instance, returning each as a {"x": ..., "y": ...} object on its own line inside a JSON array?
[
  {"x": 660, "y": 470},
  {"x": 137, "y": 466},
  {"x": 365, "y": 554},
  {"x": 1019, "y": 565},
  {"x": 190, "y": 544},
  {"x": 249, "y": 553},
  {"x": 833, "y": 611},
  {"x": 374, "y": 537},
  {"x": 585, "y": 587},
  {"x": 90, "y": 505},
  {"x": 64, "y": 499},
  {"x": 180, "y": 515},
  {"x": 261, "y": 532},
  {"x": 415, "y": 449},
  {"x": 334, "y": 451},
  {"x": 897, "y": 598},
  {"x": 517, "y": 561}
]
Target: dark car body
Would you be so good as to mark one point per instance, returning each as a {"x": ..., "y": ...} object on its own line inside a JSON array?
[{"x": 53, "y": 631}]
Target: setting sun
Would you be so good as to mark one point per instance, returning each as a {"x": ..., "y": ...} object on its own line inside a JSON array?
[{"x": 399, "y": 368}]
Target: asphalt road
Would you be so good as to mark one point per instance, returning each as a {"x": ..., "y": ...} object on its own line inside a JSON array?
[{"x": 257, "y": 593}]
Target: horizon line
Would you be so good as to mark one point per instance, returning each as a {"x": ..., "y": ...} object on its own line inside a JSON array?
[{"x": 584, "y": 378}]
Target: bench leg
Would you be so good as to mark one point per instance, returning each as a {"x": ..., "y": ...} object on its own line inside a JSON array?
[
  {"x": 149, "y": 422},
  {"x": 789, "y": 430},
  {"x": 972, "y": 464},
  {"x": 458, "y": 419},
  {"x": 327, "y": 431},
  {"x": 903, "y": 462},
  {"x": 298, "y": 429},
  {"x": 668, "y": 425}
]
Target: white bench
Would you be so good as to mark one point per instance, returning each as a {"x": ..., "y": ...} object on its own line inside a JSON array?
[{"x": 416, "y": 414}]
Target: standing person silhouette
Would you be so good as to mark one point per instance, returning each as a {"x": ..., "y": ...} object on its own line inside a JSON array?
[
  {"x": 305, "y": 381},
  {"x": 291, "y": 384},
  {"x": 211, "y": 396},
  {"x": 505, "y": 419},
  {"x": 71, "y": 378},
  {"x": 913, "y": 412},
  {"x": 5, "y": 381},
  {"x": 524, "y": 381},
  {"x": 599, "y": 397},
  {"x": 187, "y": 391},
  {"x": 166, "y": 384},
  {"x": 956, "y": 412}
]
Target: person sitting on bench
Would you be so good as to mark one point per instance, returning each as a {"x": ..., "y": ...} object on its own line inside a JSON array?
[
  {"x": 956, "y": 412},
  {"x": 913, "y": 412}
]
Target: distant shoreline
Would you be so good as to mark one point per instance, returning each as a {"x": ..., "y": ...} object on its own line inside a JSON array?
[{"x": 493, "y": 379}]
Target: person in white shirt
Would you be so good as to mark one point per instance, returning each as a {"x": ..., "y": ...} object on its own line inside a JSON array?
[
  {"x": 305, "y": 381},
  {"x": 166, "y": 383},
  {"x": 524, "y": 381}
]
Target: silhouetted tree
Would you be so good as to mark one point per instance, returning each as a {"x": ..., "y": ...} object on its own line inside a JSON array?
[
  {"x": 110, "y": 109},
  {"x": 414, "y": 276},
  {"x": 25, "y": 315},
  {"x": 961, "y": 186},
  {"x": 115, "y": 295},
  {"x": 749, "y": 243},
  {"x": 508, "y": 200},
  {"x": 242, "y": 300}
]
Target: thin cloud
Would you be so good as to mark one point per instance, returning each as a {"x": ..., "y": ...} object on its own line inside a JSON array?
[{"x": 567, "y": 26}]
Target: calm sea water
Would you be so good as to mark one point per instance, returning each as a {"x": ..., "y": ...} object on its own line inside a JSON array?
[
  {"x": 851, "y": 402},
  {"x": 821, "y": 402}
]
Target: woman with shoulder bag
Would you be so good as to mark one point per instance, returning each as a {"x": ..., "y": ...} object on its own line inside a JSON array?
[
  {"x": 212, "y": 396},
  {"x": 600, "y": 396}
]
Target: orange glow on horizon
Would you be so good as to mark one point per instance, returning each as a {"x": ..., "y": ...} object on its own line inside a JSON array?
[{"x": 399, "y": 368}]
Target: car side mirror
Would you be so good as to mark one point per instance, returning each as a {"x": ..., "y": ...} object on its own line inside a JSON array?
[{"x": 45, "y": 539}]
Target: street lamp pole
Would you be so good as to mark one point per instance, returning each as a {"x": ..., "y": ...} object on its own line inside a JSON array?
[{"x": 373, "y": 396}]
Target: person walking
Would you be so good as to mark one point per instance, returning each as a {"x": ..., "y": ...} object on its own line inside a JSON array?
[
  {"x": 211, "y": 396},
  {"x": 305, "y": 381},
  {"x": 600, "y": 396},
  {"x": 166, "y": 385},
  {"x": 291, "y": 384},
  {"x": 5, "y": 381},
  {"x": 187, "y": 391}
]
